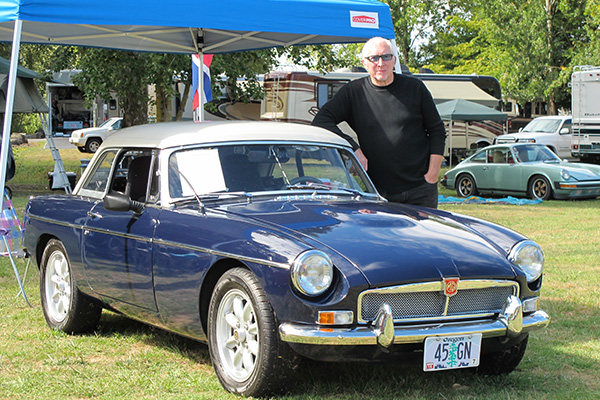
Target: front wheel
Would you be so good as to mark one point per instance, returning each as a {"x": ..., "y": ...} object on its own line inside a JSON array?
[
  {"x": 92, "y": 145},
  {"x": 248, "y": 357},
  {"x": 503, "y": 362},
  {"x": 539, "y": 188},
  {"x": 65, "y": 307}
]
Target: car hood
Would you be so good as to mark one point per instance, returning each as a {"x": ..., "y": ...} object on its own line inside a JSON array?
[
  {"x": 582, "y": 171},
  {"x": 90, "y": 130},
  {"x": 526, "y": 134},
  {"x": 390, "y": 244}
]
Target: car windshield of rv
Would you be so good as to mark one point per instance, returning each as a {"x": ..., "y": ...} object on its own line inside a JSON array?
[
  {"x": 542, "y": 125},
  {"x": 265, "y": 168}
]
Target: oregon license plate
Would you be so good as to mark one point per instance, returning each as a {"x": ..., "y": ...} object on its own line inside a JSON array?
[{"x": 451, "y": 352}]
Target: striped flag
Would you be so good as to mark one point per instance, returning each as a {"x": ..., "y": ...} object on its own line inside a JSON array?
[{"x": 207, "y": 95}]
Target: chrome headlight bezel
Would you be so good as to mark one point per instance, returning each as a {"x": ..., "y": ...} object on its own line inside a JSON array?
[
  {"x": 312, "y": 273},
  {"x": 529, "y": 257},
  {"x": 565, "y": 174}
]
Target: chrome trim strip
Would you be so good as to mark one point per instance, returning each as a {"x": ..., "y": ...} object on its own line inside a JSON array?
[
  {"x": 363, "y": 335},
  {"x": 434, "y": 287},
  {"x": 172, "y": 244}
]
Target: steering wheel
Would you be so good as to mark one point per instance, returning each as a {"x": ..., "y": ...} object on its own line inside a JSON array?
[{"x": 304, "y": 179}]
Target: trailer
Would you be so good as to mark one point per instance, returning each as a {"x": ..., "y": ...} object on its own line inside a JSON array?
[
  {"x": 67, "y": 109},
  {"x": 585, "y": 106},
  {"x": 292, "y": 96}
]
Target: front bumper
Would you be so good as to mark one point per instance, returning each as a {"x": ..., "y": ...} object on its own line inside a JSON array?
[{"x": 510, "y": 323}]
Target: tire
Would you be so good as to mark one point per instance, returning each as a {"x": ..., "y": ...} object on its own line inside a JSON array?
[
  {"x": 248, "y": 357},
  {"x": 503, "y": 362},
  {"x": 539, "y": 188},
  {"x": 92, "y": 145},
  {"x": 65, "y": 308},
  {"x": 81, "y": 149},
  {"x": 465, "y": 186}
]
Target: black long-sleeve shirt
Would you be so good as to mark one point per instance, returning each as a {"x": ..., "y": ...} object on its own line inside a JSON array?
[{"x": 398, "y": 127}]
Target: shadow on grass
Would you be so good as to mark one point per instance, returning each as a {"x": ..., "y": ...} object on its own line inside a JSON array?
[{"x": 116, "y": 324}]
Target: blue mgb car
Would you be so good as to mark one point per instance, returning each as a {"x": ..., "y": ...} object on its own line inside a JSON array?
[{"x": 269, "y": 242}]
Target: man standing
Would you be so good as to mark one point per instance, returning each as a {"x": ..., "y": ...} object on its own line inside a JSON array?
[{"x": 399, "y": 129}]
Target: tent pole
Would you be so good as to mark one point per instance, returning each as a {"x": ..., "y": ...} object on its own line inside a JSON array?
[
  {"x": 201, "y": 86},
  {"x": 450, "y": 158},
  {"x": 398, "y": 67},
  {"x": 10, "y": 100}
]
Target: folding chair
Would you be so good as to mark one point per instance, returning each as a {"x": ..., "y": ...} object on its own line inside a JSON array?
[{"x": 12, "y": 238}]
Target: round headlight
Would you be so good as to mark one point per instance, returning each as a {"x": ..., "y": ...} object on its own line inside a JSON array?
[
  {"x": 312, "y": 272},
  {"x": 528, "y": 256}
]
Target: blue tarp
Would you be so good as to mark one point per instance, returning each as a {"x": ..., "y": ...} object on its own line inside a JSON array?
[
  {"x": 176, "y": 26},
  {"x": 481, "y": 200}
]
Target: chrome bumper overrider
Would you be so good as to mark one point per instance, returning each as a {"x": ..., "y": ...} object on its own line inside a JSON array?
[{"x": 510, "y": 323}]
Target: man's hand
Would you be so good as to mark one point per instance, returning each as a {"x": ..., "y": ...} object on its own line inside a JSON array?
[
  {"x": 435, "y": 164},
  {"x": 361, "y": 158}
]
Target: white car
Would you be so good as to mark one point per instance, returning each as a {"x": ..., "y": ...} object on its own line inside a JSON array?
[
  {"x": 553, "y": 131},
  {"x": 89, "y": 139}
]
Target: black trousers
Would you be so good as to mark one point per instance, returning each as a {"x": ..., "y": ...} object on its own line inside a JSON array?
[{"x": 425, "y": 195}]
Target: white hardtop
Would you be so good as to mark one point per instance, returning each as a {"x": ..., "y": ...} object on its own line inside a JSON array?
[{"x": 175, "y": 134}]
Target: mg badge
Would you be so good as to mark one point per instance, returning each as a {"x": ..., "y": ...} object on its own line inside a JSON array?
[{"x": 450, "y": 286}]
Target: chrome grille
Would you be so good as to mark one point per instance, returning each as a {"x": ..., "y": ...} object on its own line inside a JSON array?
[{"x": 428, "y": 301}]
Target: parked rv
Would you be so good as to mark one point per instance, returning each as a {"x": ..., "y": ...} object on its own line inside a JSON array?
[
  {"x": 297, "y": 97},
  {"x": 585, "y": 105}
]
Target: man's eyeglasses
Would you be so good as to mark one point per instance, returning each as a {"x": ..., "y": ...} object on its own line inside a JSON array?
[{"x": 384, "y": 57}]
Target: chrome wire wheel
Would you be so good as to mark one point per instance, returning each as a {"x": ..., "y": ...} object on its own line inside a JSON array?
[
  {"x": 237, "y": 335},
  {"x": 57, "y": 286}
]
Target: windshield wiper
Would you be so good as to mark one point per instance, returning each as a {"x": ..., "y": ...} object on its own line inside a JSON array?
[{"x": 308, "y": 187}]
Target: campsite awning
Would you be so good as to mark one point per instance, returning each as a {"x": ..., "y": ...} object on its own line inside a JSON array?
[
  {"x": 190, "y": 26},
  {"x": 464, "y": 110},
  {"x": 444, "y": 91}
]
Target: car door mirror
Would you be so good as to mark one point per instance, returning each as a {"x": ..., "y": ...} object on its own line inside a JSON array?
[
  {"x": 121, "y": 202},
  {"x": 565, "y": 131}
]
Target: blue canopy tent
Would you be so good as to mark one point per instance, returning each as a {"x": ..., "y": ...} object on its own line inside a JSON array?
[{"x": 185, "y": 26}]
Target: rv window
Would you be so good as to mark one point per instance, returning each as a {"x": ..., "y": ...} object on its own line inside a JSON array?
[{"x": 325, "y": 90}]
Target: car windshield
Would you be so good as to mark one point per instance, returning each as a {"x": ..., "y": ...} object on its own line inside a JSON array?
[
  {"x": 531, "y": 153},
  {"x": 264, "y": 168},
  {"x": 542, "y": 125},
  {"x": 106, "y": 123}
]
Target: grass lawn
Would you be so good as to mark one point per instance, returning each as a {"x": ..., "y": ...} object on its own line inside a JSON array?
[{"x": 126, "y": 360}]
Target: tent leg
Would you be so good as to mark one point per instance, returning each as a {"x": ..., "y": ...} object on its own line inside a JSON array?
[{"x": 10, "y": 100}]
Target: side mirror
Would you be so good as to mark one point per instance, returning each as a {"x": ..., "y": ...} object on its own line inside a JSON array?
[
  {"x": 564, "y": 131},
  {"x": 120, "y": 202}
]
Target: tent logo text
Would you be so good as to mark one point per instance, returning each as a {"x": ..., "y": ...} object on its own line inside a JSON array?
[{"x": 362, "y": 19}]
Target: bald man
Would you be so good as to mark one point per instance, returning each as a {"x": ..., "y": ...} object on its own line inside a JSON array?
[{"x": 401, "y": 136}]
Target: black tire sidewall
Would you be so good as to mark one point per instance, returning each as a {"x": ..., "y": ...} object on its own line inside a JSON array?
[{"x": 243, "y": 280}]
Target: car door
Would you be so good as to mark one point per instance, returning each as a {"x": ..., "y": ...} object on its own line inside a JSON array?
[
  {"x": 117, "y": 245},
  {"x": 564, "y": 140},
  {"x": 500, "y": 173}
]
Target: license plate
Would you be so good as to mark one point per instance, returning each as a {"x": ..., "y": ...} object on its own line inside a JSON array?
[{"x": 451, "y": 352}]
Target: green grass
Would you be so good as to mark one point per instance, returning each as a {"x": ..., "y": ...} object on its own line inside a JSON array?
[{"x": 127, "y": 360}]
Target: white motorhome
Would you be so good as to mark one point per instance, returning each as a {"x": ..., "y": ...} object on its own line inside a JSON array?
[
  {"x": 297, "y": 97},
  {"x": 585, "y": 106}
]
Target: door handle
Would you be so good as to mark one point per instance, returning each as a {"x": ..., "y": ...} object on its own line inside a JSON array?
[{"x": 94, "y": 215}]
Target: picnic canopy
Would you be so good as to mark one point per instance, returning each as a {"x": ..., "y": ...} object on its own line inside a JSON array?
[
  {"x": 185, "y": 26},
  {"x": 465, "y": 110}
]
